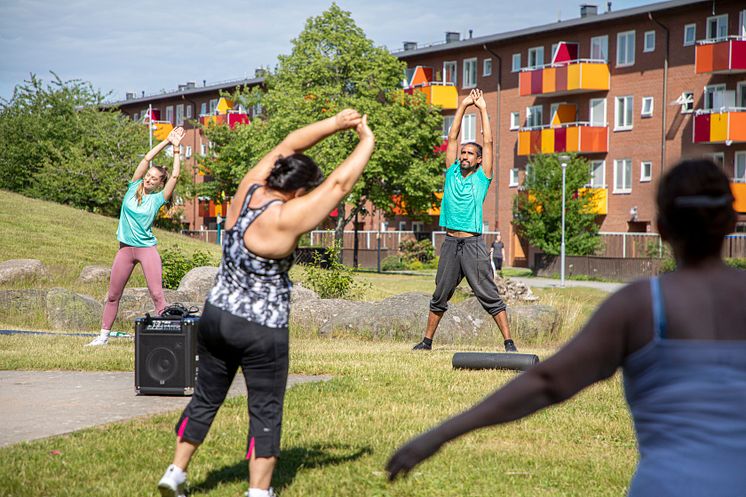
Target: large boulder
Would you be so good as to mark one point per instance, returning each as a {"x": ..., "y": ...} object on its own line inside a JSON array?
[
  {"x": 302, "y": 294},
  {"x": 135, "y": 302},
  {"x": 198, "y": 282},
  {"x": 19, "y": 269},
  {"x": 527, "y": 321},
  {"x": 22, "y": 301},
  {"x": 67, "y": 310},
  {"x": 91, "y": 274}
]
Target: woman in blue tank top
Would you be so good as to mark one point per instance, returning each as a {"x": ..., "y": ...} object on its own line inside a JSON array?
[{"x": 680, "y": 340}]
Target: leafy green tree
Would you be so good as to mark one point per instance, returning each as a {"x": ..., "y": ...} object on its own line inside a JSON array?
[
  {"x": 56, "y": 143},
  {"x": 333, "y": 66},
  {"x": 537, "y": 211}
]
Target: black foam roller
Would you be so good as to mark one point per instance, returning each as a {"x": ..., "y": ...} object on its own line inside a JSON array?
[{"x": 495, "y": 360}]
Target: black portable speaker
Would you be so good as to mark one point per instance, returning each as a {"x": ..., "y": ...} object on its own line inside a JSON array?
[{"x": 165, "y": 355}]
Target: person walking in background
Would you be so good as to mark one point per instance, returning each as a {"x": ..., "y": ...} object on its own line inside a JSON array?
[
  {"x": 142, "y": 201},
  {"x": 680, "y": 339},
  {"x": 497, "y": 254},
  {"x": 463, "y": 253},
  {"x": 245, "y": 319}
]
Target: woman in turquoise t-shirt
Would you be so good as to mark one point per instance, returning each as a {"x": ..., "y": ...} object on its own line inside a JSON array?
[{"x": 136, "y": 241}]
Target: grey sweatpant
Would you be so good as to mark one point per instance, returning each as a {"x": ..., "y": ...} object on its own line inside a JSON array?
[{"x": 465, "y": 257}]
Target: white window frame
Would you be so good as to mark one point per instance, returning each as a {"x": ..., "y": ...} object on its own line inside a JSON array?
[
  {"x": 469, "y": 72},
  {"x": 739, "y": 178},
  {"x": 447, "y": 123},
  {"x": 593, "y": 122},
  {"x": 623, "y": 107},
  {"x": 717, "y": 157},
  {"x": 600, "y": 44},
  {"x": 188, "y": 153},
  {"x": 710, "y": 103},
  {"x": 203, "y": 108},
  {"x": 450, "y": 67},
  {"x": 203, "y": 149},
  {"x": 721, "y": 28},
  {"x": 629, "y": 49},
  {"x": 687, "y": 29},
  {"x": 469, "y": 128},
  {"x": 516, "y": 63},
  {"x": 645, "y": 178},
  {"x": 189, "y": 111},
  {"x": 599, "y": 165},
  {"x": 531, "y": 120},
  {"x": 170, "y": 114},
  {"x": 515, "y": 120},
  {"x": 627, "y": 176},
  {"x": 742, "y": 23},
  {"x": 513, "y": 177},
  {"x": 487, "y": 67},
  {"x": 534, "y": 60},
  {"x": 418, "y": 226},
  {"x": 180, "y": 114},
  {"x": 135, "y": 116},
  {"x": 689, "y": 107},
  {"x": 649, "y": 41},
  {"x": 741, "y": 94},
  {"x": 647, "y": 107},
  {"x": 402, "y": 226},
  {"x": 213, "y": 105}
]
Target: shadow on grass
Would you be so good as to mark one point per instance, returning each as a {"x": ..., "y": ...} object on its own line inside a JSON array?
[{"x": 290, "y": 462}]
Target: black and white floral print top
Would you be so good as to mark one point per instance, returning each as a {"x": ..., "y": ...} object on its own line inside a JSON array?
[{"x": 247, "y": 285}]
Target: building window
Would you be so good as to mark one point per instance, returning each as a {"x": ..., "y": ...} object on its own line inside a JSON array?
[
  {"x": 469, "y": 128},
  {"x": 515, "y": 120},
  {"x": 690, "y": 34},
  {"x": 742, "y": 23},
  {"x": 598, "y": 112},
  {"x": 213, "y": 105},
  {"x": 647, "y": 107},
  {"x": 535, "y": 57},
  {"x": 135, "y": 116},
  {"x": 649, "y": 41},
  {"x": 516, "y": 66},
  {"x": 418, "y": 226},
  {"x": 739, "y": 167},
  {"x": 203, "y": 149},
  {"x": 646, "y": 171},
  {"x": 625, "y": 49},
  {"x": 687, "y": 105},
  {"x": 600, "y": 48},
  {"x": 402, "y": 225},
  {"x": 534, "y": 116},
  {"x": 470, "y": 73},
  {"x": 203, "y": 108},
  {"x": 714, "y": 97},
  {"x": 447, "y": 123},
  {"x": 741, "y": 94},
  {"x": 717, "y": 157},
  {"x": 598, "y": 174},
  {"x": 487, "y": 67},
  {"x": 449, "y": 71},
  {"x": 623, "y": 113},
  {"x": 188, "y": 151},
  {"x": 189, "y": 110},
  {"x": 622, "y": 176},
  {"x": 717, "y": 27},
  {"x": 180, "y": 114},
  {"x": 513, "y": 181},
  {"x": 170, "y": 114}
]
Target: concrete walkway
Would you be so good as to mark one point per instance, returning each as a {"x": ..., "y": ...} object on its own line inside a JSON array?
[
  {"x": 40, "y": 404},
  {"x": 552, "y": 283}
]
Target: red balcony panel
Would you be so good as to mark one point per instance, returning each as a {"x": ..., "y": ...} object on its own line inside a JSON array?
[
  {"x": 561, "y": 78},
  {"x": 235, "y": 118},
  {"x": 536, "y": 141},
  {"x": 738, "y": 55},
  {"x": 721, "y": 57},
  {"x": 702, "y": 128},
  {"x": 560, "y": 140},
  {"x": 537, "y": 81}
]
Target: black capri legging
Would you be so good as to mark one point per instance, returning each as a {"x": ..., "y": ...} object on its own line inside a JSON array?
[{"x": 226, "y": 342}]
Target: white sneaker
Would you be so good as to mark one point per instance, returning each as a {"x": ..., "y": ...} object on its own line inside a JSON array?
[
  {"x": 173, "y": 483},
  {"x": 271, "y": 493},
  {"x": 98, "y": 341}
]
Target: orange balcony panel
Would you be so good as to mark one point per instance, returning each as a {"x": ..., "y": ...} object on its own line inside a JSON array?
[
  {"x": 446, "y": 96},
  {"x": 737, "y": 127},
  {"x": 599, "y": 200},
  {"x": 572, "y": 140},
  {"x": 593, "y": 139},
  {"x": 719, "y": 127},
  {"x": 524, "y": 143},
  {"x": 422, "y": 75},
  {"x": 703, "y": 58},
  {"x": 594, "y": 76},
  {"x": 548, "y": 80},
  {"x": 547, "y": 141},
  {"x": 524, "y": 84},
  {"x": 536, "y": 141},
  {"x": 739, "y": 192}
]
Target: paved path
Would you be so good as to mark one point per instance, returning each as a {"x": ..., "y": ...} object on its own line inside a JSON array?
[
  {"x": 39, "y": 404},
  {"x": 552, "y": 283}
]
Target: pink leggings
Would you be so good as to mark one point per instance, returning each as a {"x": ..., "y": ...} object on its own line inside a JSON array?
[{"x": 124, "y": 263}]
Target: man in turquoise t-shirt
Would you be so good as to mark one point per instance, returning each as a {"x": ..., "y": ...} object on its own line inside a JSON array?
[{"x": 463, "y": 253}]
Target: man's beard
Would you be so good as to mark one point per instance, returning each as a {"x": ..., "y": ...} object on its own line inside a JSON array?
[{"x": 469, "y": 168}]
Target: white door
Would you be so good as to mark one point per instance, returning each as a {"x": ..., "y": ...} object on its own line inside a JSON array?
[
  {"x": 714, "y": 97},
  {"x": 598, "y": 112}
]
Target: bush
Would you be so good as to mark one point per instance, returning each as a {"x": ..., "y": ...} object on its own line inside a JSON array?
[
  {"x": 176, "y": 264},
  {"x": 736, "y": 263},
  {"x": 413, "y": 250},
  {"x": 337, "y": 281},
  {"x": 392, "y": 263}
]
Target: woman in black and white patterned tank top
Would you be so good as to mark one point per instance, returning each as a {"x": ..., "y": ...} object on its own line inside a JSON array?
[{"x": 245, "y": 320}]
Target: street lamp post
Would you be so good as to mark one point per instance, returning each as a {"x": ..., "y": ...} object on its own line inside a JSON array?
[{"x": 564, "y": 159}]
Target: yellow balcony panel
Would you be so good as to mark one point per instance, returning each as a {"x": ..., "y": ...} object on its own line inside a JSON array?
[
  {"x": 573, "y": 77},
  {"x": 549, "y": 80},
  {"x": 719, "y": 127},
  {"x": 445, "y": 96},
  {"x": 162, "y": 129},
  {"x": 547, "y": 141},
  {"x": 599, "y": 200},
  {"x": 224, "y": 105},
  {"x": 739, "y": 191},
  {"x": 594, "y": 77}
]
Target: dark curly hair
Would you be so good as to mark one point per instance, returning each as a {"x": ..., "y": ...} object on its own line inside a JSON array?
[{"x": 293, "y": 172}]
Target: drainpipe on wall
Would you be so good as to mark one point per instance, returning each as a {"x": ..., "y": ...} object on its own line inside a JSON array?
[
  {"x": 497, "y": 125},
  {"x": 664, "y": 105}
]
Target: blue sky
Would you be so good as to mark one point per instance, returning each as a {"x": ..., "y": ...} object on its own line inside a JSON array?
[{"x": 153, "y": 46}]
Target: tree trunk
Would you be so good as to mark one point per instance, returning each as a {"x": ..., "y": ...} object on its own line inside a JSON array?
[{"x": 339, "y": 230}]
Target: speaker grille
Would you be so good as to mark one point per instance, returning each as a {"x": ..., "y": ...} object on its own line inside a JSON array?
[{"x": 161, "y": 364}]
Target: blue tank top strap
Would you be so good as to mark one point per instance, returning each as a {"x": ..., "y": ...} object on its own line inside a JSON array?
[
  {"x": 659, "y": 312},
  {"x": 247, "y": 198}
]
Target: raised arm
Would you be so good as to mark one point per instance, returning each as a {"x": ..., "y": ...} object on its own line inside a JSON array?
[
  {"x": 594, "y": 354},
  {"x": 175, "y": 138},
  {"x": 298, "y": 141},
  {"x": 304, "y": 213},
  {"x": 452, "y": 148},
  {"x": 144, "y": 164},
  {"x": 487, "y": 165}
]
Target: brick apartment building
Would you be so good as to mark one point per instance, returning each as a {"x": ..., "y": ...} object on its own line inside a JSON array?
[{"x": 633, "y": 90}]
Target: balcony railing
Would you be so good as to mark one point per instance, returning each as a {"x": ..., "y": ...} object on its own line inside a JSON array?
[
  {"x": 722, "y": 55},
  {"x": 739, "y": 192},
  {"x": 578, "y": 137},
  {"x": 232, "y": 118},
  {"x": 437, "y": 93},
  {"x": 576, "y": 76},
  {"x": 726, "y": 125}
]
